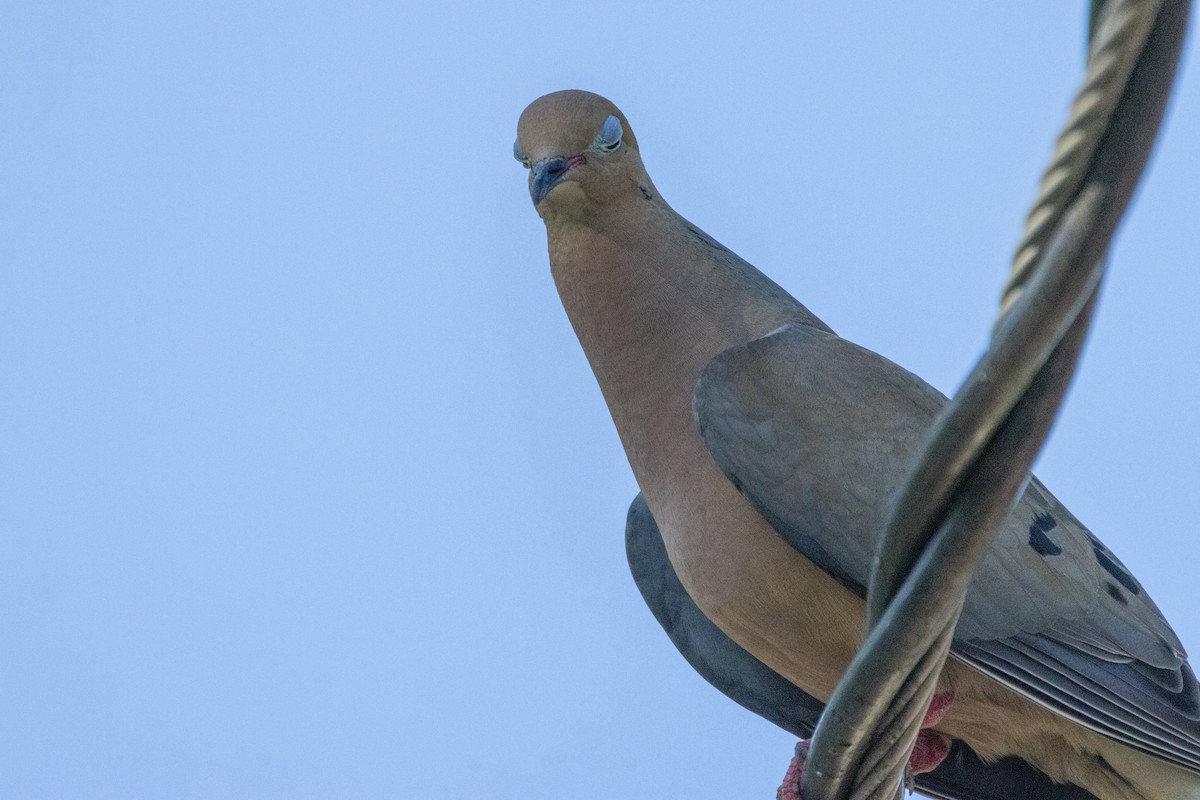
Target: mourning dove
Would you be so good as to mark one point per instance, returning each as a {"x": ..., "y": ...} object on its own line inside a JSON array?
[{"x": 766, "y": 449}]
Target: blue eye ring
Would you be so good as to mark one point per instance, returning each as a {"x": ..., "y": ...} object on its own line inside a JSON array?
[{"x": 609, "y": 137}]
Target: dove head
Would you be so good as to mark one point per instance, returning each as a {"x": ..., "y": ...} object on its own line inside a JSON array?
[{"x": 581, "y": 155}]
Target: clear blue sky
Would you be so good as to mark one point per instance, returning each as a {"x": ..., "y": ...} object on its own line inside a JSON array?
[{"x": 307, "y": 489}]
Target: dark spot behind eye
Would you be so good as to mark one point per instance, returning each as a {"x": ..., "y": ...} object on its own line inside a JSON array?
[
  {"x": 1038, "y": 540},
  {"x": 646, "y": 193}
]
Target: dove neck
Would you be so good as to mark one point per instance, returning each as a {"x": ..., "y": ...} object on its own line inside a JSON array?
[{"x": 652, "y": 301}]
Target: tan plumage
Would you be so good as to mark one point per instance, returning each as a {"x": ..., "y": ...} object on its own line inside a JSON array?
[{"x": 654, "y": 301}]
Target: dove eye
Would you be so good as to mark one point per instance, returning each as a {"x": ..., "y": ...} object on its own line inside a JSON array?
[
  {"x": 609, "y": 137},
  {"x": 519, "y": 154}
]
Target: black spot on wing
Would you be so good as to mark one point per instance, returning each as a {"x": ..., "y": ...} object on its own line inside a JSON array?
[
  {"x": 1038, "y": 539},
  {"x": 1114, "y": 592},
  {"x": 1113, "y": 568}
]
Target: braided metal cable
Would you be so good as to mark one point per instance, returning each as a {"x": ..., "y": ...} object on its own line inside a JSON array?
[
  {"x": 1117, "y": 41},
  {"x": 978, "y": 458}
]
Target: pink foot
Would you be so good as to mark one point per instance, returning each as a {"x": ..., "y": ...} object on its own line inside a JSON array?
[
  {"x": 938, "y": 707},
  {"x": 790, "y": 788},
  {"x": 929, "y": 751}
]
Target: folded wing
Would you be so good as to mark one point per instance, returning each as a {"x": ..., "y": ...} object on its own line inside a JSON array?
[
  {"x": 817, "y": 433},
  {"x": 755, "y": 686}
]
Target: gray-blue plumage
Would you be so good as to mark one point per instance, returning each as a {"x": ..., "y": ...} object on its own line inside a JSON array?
[
  {"x": 788, "y": 417},
  {"x": 756, "y": 687}
]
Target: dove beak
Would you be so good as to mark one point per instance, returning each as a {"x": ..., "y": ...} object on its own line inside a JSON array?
[{"x": 548, "y": 173}]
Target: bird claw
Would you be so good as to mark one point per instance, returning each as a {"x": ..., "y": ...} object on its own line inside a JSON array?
[
  {"x": 938, "y": 707},
  {"x": 790, "y": 788},
  {"x": 929, "y": 751}
]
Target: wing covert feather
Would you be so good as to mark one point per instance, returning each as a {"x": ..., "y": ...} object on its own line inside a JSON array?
[
  {"x": 963, "y": 775},
  {"x": 818, "y": 432}
]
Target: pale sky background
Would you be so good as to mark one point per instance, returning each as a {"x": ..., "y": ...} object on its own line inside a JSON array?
[{"x": 307, "y": 489}]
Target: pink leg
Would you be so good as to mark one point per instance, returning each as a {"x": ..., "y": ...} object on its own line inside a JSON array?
[
  {"x": 931, "y": 747},
  {"x": 929, "y": 751},
  {"x": 790, "y": 788}
]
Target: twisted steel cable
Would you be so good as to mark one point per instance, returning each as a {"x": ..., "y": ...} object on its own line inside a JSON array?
[{"x": 978, "y": 458}]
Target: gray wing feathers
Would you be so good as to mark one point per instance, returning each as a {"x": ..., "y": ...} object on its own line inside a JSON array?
[
  {"x": 758, "y": 688},
  {"x": 717, "y": 658},
  {"x": 817, "y": 432},
  {"x": 755, "y": 409}
]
